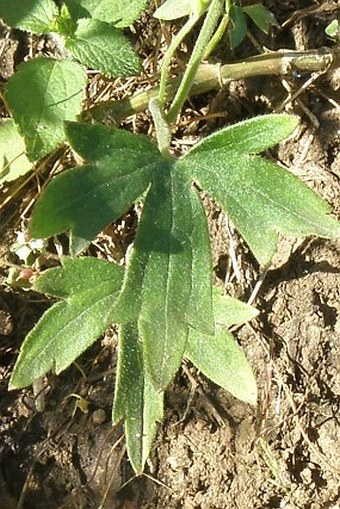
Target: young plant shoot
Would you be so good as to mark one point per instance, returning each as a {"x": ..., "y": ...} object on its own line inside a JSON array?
[{"x": 164, "y": 301}]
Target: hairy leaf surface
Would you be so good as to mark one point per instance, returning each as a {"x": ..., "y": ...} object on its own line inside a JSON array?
[
  {"x": 102, "y": 46},
  {"x": 249, "y": 136},
  {"x": 89, "y": 288},
  {"x": 96, "y": 194},
  {"x": 31, "y": 15},
  {"x": 219, "y": 357},
  {"x": 42, "y": 94},
  {"x": 229, "y": 311},
  {"x": 97, "y": 142},
  {"x": 168, "y": 279},
  {"x": 120, "y": 13},
  {"x": 136, "y": 401},
  {"x": 261, "y": 198}
]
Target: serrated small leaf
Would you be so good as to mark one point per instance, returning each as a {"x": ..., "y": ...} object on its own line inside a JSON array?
[
  {"x": 42, "y": 94},
  {"x": 89, "y": 288},
  {"x": 219, "y": 357},
  {"x": 173, "y": 9},
  {"x": 117, "y": 12},
  {"x": 136, "y": 401},
  {"x": 96, "y": 194},
  {"x": 168, "y": 279},
  {"x": 238, "y": 28},
  {"x": 262, "y": 199},
  {"x": 31, "y": 15},
  {"x": 13, "y": 159},
  {"x": 261, "y": 16},
  {"x": 102, "y": 46}
]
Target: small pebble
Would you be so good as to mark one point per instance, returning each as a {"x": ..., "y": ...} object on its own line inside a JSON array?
[{"x": 99, "y": 416}]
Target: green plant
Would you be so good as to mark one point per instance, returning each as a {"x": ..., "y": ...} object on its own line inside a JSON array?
[
  {"x": 44, "y": 92},
  {"x": 164, "y": 301},
  {"x": 332, "y": 30}
]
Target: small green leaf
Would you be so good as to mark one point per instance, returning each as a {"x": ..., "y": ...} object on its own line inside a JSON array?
[
  {"x": 104, "y": 47},
  {"x": 261, "y": 16},
  {"x": 136, "y": 401},
  {"x": 31, "y": 15},
  {"x": 168, "y": 279},
  {"x": 238, "y": 29},
  {"x": 96, "y": 194},
  {"x": 229, "y": 311},
  {"x": 261, "y": 198},
  {"x": 173, "y": 9},
  {"x": 41, "y": 95},
  {"x": 13, "y": 160},
  {"x": 64, "y": 24},
  {"x": 333, "y": 30},
  {"x": 89, "y": 288},
  {"x": 219, "y": 357},
  {"x": 117, "y": 12}
]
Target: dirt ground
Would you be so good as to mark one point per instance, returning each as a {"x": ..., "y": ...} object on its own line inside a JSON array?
[{"x": 211, "y": 451}]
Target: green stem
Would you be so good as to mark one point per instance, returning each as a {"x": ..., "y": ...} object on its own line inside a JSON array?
[
  {"x": 217, "y": 36},
  {"x": 214, "y": 12},
  {"x": 212, "y": 77},
  {"x": 176, "y": 41},
  {"x": 163, "y": 132}
]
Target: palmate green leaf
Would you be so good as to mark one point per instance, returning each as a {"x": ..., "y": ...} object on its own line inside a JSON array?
[
  {"x": 120, "y": 13},
  {"x": 41, "y": 95},
  {"x": 86, "y": 199},
  {"x": 32, "y": 15},
  {"x": 219, "y": 357},
  {"x": 89, "y": 289},
  {"x": 13, "y": 159},
  {"x": 168, "y": 279},
  {"x": 102, "y": 46},
  {"x": 136, "y": 401},
  {"x": 261, "y": 198}
]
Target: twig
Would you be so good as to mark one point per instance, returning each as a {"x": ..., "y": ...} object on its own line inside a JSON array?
[
  {"x": 326, "y": 7},
  {"x": 211, "y": 76}
]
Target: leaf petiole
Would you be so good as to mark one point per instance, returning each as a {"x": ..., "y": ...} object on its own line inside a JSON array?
[
  {"x": 214, "y": 13},
  {"x": 176, "y": 41}
]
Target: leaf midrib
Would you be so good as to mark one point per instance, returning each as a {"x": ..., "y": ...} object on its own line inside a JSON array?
[
  {"x": 271, "y": 201},
  {"x": 86, "y": 310}
]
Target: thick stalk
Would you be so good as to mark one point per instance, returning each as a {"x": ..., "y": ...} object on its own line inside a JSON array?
[
  {"x": 214, "y": 76},
  {"x": 211, "y": 20}
]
